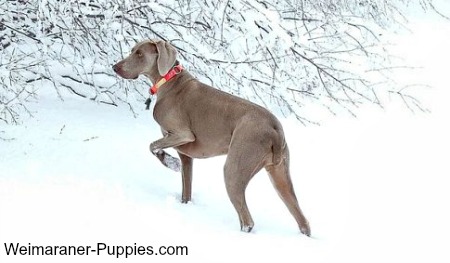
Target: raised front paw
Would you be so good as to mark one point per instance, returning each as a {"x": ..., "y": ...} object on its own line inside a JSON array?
[
  {"x": 168, "y": 160},
  {"x": 171, "y": 162}
]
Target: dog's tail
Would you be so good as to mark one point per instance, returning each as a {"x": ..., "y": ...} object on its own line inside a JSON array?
[{"x": 278, "y": 145}]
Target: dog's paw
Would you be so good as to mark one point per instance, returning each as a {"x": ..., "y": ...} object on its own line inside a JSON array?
[
  {"x": 171, "y": 162},
  {"x": 168, "y": 160},
  {"x": 246, "y": 229},
  {"x": 185, "y": 201},
  {"x": 305, "y": 229}
]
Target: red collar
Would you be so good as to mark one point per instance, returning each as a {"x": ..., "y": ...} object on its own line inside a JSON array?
[{"x": 174, "y": 71}]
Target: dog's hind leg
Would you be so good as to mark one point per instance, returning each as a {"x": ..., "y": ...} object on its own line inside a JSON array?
[
  {"x": 241, "y": 165},
  {"x": 281, "y": 180},
  {"x": 236, "y": 181}
]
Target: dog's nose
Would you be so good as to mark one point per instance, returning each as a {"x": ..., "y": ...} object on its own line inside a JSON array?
[{"x": 115, "y": 68}]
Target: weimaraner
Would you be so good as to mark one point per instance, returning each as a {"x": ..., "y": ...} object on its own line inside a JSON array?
[{"x": 200, "y": 122}]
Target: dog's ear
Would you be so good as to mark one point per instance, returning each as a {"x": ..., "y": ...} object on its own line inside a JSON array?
[{"x": 166, "y": 56}]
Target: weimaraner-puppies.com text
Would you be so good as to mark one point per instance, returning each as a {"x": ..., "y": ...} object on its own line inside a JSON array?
[{"x": 199, "y": 121}]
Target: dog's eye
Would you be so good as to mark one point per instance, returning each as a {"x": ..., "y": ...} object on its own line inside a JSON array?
[{"x": 139, "y": 53}]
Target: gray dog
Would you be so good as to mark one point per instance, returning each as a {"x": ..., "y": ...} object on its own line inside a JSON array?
[{"x": 200, "y": 122}]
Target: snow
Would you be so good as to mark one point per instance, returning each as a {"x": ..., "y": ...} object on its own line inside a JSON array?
[{"x": 374, "y": 188}]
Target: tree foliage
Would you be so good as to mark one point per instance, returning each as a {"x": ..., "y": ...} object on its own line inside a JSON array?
[{"x": 283, "y": 54}]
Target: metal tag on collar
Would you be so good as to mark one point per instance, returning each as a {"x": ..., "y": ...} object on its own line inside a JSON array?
[{"x": 148, "y": 101}]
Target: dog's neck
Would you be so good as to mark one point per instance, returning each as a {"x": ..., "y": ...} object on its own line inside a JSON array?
[
  {"x": 175, "y": 70},
  {"x": 154, "y": 75}
]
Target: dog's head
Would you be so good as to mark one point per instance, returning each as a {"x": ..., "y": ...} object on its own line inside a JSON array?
[{"x": 147, "y": 57}]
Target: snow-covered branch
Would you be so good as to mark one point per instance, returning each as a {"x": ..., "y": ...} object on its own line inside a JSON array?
[{"x": 281, "y": 54}]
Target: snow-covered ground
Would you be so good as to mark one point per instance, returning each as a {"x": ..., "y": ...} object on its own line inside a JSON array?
[{"x": 375, "y": 188}]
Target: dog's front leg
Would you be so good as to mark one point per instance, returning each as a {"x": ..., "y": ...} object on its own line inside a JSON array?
[
  {"x": 171, "y": 140},
  {"x": 186, "y": 174}
]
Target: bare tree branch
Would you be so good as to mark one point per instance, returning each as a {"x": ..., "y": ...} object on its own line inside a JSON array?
[{"x": 281, "y": 54}]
